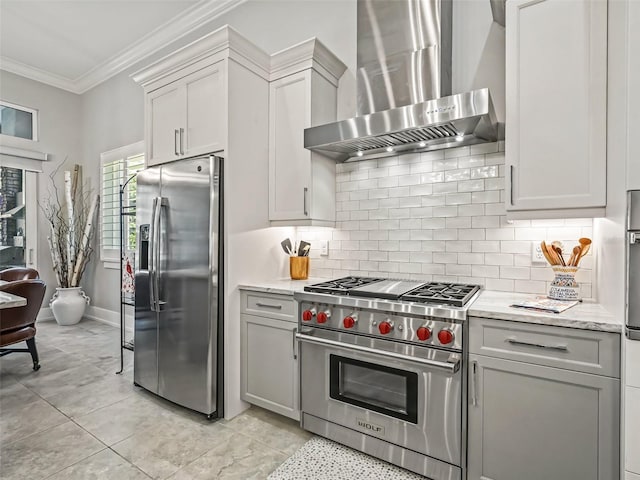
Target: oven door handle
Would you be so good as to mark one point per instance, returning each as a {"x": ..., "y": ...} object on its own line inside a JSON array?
[{"x": 448, "y": 366}]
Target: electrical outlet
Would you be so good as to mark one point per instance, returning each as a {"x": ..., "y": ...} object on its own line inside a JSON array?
[
  {"x": 537, "y": 257},
  {"x": 324, "y": 247}
]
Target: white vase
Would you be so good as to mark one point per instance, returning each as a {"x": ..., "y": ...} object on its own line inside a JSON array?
[{"x": 68, "y": 305}]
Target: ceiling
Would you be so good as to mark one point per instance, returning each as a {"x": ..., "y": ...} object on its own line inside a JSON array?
[{"x": 77, "y": 44}]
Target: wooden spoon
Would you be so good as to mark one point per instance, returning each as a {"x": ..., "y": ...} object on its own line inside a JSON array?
[
  {"x": 575, "y": 256},
  {"x": 547, "y": 254},
  {"x": 558, "y": 251},
  {"x": 585, "y": 245}
]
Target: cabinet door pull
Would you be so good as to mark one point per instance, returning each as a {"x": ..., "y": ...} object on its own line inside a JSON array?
[
  {"x": 562, "y": 348},
  {"x": 175, "y": 142},
  {"x": 295, "y": 354},
  {"x": 31, "y": 256},
  {"x": 306, "y": 212},
  {"x": 511, "y": 184},
  {"x": 182, "y": 141},
  {"x": 269, "y": 305},
  {"x": 474, "y": 372}
]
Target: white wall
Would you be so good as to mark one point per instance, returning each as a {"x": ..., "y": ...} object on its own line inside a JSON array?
[{"x": 60, "y": 134}]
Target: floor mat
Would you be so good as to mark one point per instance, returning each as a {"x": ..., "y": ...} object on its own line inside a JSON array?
[{"x": 322, "y": 459}]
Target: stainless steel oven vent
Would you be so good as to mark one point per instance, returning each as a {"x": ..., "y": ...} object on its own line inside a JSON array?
[{"x": 404, "y": 100}]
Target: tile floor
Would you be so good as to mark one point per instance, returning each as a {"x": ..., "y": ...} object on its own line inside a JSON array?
[{"x": 75, "y": 419}]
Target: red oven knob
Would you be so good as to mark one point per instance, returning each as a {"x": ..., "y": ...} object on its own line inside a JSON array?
[
  {"x": 307, "y": 315},
  {"x": 322, "y": 317},
  {"x": 385, "y": 327},
  {"x": 445, "y": 336},
  {"x": 349, "y": 322},
  {"x": 423, "y": 333}
]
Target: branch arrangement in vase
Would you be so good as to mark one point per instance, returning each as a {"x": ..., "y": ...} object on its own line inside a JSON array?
[{"x": 71, "y": 216}]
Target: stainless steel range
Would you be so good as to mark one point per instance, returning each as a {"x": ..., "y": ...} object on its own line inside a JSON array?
[{"x": 382, "y": 369}]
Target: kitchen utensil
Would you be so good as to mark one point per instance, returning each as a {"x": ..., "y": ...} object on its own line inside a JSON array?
[
  {"x": 576, "y": 255},
  {"x": 558, "y": 251},
  {"x": 299, "y": 268},
  {"x": 585, "y": 245},
  {"x": 303, "y": 248},
  {"x": 546, "y": 251},
  {"x": 287, "y": 247}
]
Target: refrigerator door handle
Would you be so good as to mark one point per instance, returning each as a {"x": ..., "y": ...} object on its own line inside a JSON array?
[
  {"x": 160, "y": 202},
  {"x": 152, "y": 256}
]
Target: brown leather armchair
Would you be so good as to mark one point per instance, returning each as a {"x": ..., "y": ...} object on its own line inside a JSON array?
[
  {"x": 18, "y": 273},
  {"x": 17, "y": 324}
]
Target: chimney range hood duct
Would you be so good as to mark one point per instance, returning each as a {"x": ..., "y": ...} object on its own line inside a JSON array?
[{"x": 404, "y": 100}]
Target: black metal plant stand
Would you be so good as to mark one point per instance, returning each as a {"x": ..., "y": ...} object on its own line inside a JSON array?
[{"x": 126, "y": 299}]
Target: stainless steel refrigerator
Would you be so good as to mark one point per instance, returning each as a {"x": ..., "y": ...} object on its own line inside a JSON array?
[
  {"x": 178, "y": 283},
  {"x": 633, "y": 265}
]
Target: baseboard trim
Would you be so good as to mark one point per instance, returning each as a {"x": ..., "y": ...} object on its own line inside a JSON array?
[{"x": 98, "y": 314}]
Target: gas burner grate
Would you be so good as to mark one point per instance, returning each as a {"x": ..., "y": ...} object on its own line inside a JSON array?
[
  {"x": 341, "y": 285},
  {"x": 453, "y": 294}
]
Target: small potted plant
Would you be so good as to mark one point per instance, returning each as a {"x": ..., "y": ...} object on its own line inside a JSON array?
[{"x": 71, "y": 217}]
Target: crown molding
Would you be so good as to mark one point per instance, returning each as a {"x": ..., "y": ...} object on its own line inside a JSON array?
[
  {"x": 311, "y": 53},
  {"x": 225, "y": 39},
  {"x": 27, "y": 71},
  {"x": 183, "y": 24}
]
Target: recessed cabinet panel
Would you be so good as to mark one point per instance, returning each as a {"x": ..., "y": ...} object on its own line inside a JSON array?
[
  {"x": 290, "y": 163},
  {"x": 269, "y": 364},
  {"x": 632, "y": 429},
  {"x": 205, "y": 111},
  {"x": 529, "y": 422},
  {"x": 633, "y": 92},
  {"x": 165, "y": 118},
  {"x": 556, "y": 105}
]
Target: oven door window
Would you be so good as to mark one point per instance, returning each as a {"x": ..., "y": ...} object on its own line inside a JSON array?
[{"x": 383, "y": 389}]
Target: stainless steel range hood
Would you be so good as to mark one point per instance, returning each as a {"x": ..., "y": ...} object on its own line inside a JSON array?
[{"x": 404, "y": 88}]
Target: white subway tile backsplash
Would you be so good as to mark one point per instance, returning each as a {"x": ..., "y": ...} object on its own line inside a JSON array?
[
  {"x": 516, "y": 273},
  {"x": 485, "y": 246},
  {"x": 471, "y": 258},
  {"x": 453, "y": 269},
  {"x": 471, "y": 210},
  {"x": 498, "y": 259},
  {"x": 458, "y": 222},
  {"x": 471, "y": 186},
  {"x": 446, "y": 234},
  {"x": 440, "y": 257},
  {"x": 399, "y": 256},
  {"x": 457, "y": 175},
  {"x": 439, "y": 216},
  {"x": 450, "y": 211},
  {"x": 448, "y": 187},
  {"x": 399, "y": 235}
]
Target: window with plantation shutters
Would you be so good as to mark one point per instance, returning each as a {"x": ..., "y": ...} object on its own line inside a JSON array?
[{"x": 118, "y": 168}]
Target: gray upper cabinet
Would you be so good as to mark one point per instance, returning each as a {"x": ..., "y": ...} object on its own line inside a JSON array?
[
  {"x": 531, "y": 421},
  {"x": 556, "y": 108}
]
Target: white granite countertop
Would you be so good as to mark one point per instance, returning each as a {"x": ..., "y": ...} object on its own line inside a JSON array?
[
  {"x": 585, "y": 316},
  {"x": 284, "y": 286},
  {"x": 8, "y": 300},
  {"x": 490, "y": 304}
]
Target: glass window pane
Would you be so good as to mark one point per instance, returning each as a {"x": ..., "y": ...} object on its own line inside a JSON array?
[
  {"x": 12, "y": 217},
  {"x": 16, "y": 123}
]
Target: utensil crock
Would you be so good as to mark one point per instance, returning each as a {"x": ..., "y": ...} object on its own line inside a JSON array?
[
  {"x": 299, "y": 268},
  {"x": 564, "y": 285}
]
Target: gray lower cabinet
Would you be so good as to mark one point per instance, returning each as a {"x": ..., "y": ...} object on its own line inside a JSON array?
[
  {"x": 269, "y": 359},
  {"x": 528, "y": 421}
]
